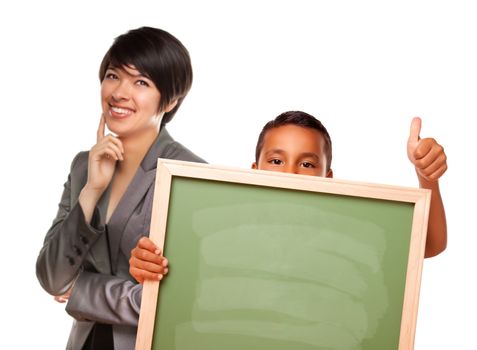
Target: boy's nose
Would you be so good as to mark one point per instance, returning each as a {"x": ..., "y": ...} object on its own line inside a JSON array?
[{"x": 291, "y": 168}]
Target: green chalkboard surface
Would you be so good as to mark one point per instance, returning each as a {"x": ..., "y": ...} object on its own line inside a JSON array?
[{"x": 268, "y": 267}]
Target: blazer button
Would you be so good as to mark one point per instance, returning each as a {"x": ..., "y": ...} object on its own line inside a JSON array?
[
  {"x": 84, "y": 240},
  {"x": 70, "y": 260},
  {"x": 77, "y": 250}
]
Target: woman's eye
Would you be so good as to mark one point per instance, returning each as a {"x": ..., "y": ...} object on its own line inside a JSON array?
[
  {"x": 111, "y": 76},
  {"x": 142, "y": 83}
]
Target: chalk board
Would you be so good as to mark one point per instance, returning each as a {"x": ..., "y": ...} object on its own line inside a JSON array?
[{"x": 263, "y": 260}]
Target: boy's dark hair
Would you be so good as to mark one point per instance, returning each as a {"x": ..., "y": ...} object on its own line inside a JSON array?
[
  {"x": 157, "y": 55},
  {"x": 300, "y": 119}
]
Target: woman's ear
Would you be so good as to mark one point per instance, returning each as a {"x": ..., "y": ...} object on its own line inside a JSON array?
[
  {"x": 329, "y": 174},
  {"x": 254, "y": 165},
  {"x": 170, "y": 106}
]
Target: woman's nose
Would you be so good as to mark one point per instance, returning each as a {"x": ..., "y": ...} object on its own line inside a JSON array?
[{"x": 122, "y": 91}]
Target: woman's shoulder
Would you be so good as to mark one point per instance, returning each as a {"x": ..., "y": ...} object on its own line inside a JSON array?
[
  {"x": 172, "y": 149},
  {"x": 178, "y": 151},
  {"x": 80, "y": 161}
]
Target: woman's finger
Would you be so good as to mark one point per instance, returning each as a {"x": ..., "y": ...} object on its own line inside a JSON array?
[
  {"x": 106, "y": 147},
  {"x": 101, "y": 128},
  {"x": 116, "y": 141}
]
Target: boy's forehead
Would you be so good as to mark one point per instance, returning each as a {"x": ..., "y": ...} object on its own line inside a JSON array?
[{"x": 293, "y": 135}]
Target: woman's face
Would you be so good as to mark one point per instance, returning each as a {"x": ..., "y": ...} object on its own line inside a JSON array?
[{"x": 130, "y": 102}]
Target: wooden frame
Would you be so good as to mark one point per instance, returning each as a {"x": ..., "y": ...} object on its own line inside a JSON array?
[{"x": 168, "y": 169}]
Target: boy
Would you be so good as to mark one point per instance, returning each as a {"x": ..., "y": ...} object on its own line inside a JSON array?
[{"x": 296, "y": 142}]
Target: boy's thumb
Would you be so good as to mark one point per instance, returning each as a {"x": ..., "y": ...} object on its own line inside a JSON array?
[{"x": 415, "y": 130}]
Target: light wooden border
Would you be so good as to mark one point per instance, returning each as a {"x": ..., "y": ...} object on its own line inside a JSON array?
[{"x": 167, "y": 168}]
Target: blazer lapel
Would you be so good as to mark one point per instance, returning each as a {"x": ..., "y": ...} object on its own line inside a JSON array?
[
  {"x": 129, "y": 201},
  {"x": 141, "y": 182}
]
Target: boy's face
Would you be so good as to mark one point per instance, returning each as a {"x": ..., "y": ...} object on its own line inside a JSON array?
[{"x": 293, "y": 149}]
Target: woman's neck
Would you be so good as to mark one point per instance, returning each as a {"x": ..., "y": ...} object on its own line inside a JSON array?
[{"x": 135, "y": 148}]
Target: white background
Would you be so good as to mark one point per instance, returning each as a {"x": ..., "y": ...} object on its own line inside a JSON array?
[{"x": 365, "y": 68}]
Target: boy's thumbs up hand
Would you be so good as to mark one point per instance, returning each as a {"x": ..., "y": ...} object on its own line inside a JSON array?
[{"x": 426, "y": 154}]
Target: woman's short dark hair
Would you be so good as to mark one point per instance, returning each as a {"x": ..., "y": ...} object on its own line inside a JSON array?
[
  {"x": 157, "y": 55},
  {"x": 300, "y": 119}
]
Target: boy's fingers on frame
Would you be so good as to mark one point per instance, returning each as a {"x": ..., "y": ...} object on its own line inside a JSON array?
[
  {"x": 145, "y": 256},
  {"x": 152, "y": 265},
  {"x": 142, "y": 275},
  {"x": 137, "y": 274},
  {"x": 146, "y": 243}
]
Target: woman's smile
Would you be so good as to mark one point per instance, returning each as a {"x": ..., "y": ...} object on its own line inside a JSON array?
[{"x": 119, "y": 112}]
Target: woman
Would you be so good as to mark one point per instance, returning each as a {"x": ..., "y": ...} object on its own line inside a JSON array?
[{"x": 106, "y": 202}]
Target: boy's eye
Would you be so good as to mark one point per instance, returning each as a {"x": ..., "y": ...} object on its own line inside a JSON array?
[
  {"x": 307, "y": 165},
  {"x": 275, "y": 161}
]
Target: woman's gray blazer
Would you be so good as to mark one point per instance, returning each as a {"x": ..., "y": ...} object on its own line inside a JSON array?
[{"x": 96, "y": 257}]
